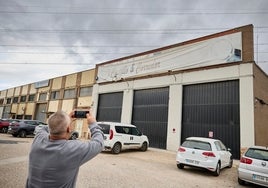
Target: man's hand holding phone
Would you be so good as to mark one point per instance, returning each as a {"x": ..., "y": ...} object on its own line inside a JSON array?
[{"x": 83, "y": 114}]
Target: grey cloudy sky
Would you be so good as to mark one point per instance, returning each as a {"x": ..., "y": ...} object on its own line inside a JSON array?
[{"x": 45, "y": 39}]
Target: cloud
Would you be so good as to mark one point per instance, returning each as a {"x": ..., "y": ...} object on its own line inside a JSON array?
[{"x": 44, "y": 39}]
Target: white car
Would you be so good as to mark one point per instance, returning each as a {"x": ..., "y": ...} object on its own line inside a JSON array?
[
  {"x": 207, "y": 153},
  {"x": 119, "y": 136},
  {"x": 253, "y": 166}
]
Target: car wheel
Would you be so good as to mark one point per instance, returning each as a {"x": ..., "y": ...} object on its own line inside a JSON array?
[
  {"x": 144, "y": 146},
  {"x": 241, "y": 182},
  {"x": 22, "y": 134},
  {"x": 73, "y": 137},
  {"x": 218, "y": 169},
  {"x": 230, "y": 163},
  {"x": 117, "y": 148},
  {"x": 5, "y": 129},
  {"x": 180, "y": 166}
]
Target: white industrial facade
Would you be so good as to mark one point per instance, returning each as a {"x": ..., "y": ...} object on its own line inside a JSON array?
[
  {"x": 220, "y": 57},
  {"x": 242, "y": 72},
  {"x": 153, "y": 83}
]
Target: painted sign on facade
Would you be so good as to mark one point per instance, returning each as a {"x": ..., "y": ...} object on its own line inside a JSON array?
[{"x": 224, "y": 49}]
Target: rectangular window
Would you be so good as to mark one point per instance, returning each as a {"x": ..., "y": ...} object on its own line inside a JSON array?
[
  {"x": 69, "y": 93},
  {"x": 85, "y": 91},
  {"x": 105, "y": 128},
  {"x": 27, "y": 117},
  {"x": 42, "y": 96},
  {"x": 19, "y": 116},
  {"x": 257, "y": 153},
  {"x": 197, "y": 145},
  {"x": 1, "y": 101},
  {"x": 23, "y": 98},
  {"x": 55, "y": 95},
  {"x": 31, "y": 97},
  {"x": 15, "y": 99},
  {"x": 8, "y": 100}
]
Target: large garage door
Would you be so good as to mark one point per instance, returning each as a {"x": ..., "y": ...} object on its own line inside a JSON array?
[
  {"x": 110, "y": 107},
  {"x": 150, "y": 114},
  {"x": 212, "y": 109}
]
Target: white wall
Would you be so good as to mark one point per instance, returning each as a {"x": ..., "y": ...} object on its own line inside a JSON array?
[
  {"x": 174, "y": 117},
  {"x": 242, "y": 72},
  {"x": 247, "y": 134},
  {"x": 126, "y": 115}
]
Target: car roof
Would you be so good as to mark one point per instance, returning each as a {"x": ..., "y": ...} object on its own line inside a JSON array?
[
  {"x": 23, "y": 120},
  {"x": 116, "y": 123},
  {"x": 259, "y": 147},
  {"x": 28, "y": 120},
  {"x": 203, "y": 139}
]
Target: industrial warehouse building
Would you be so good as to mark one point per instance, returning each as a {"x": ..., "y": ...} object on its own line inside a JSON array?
[
  {"x": 210, "y": 86},
  {"x": 39, "y": 100}
]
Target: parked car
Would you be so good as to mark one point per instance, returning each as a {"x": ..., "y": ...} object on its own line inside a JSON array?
[
  {"x": 23, "y": 127},
  {"x": 206, "y": 153},
  {"x": 119, "y": 136},
  {"x": 4, "y": 123},
  {"x": 73, "y": 136},
  {"x": 253, "y": 166}
]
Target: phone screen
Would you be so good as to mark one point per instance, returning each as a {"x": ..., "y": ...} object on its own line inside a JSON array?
[{"x": 80, "y": 114}]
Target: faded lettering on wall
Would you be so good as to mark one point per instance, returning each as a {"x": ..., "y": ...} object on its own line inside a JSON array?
[{"x": 223, "y": 49}]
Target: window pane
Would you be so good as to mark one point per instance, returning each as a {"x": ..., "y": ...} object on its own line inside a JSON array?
[
  {"x": 126, "y": 130},
  {"x": 197, "y": 145},
  {"x": 69, "y": 93},
  {"x": 119, "y": 129},
  {"x": 31, "y": 97},
  {"x": 8, "y": 100},
  {"x": 55, "y": 95},
  {"x": 135, "y": 131},
  {"x": 19, "y": 116},
  {"x": 218, "y": 146},
  {"x": 15, "y": 99},
  {"x": 257, "y": 154},
  {"x": 105, "y": 128},
  {"x": 42, "y": 96},
  {"x": 27, "y": 117},
  {"x": 23, "y": 99},
  {"x": 85, "y": 91}
]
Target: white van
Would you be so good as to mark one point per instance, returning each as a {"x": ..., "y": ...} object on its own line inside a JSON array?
[{"x": 120, "y": 136}]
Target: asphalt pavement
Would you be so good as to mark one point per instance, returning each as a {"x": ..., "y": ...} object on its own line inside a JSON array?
[{"x": 133, "y": 169}]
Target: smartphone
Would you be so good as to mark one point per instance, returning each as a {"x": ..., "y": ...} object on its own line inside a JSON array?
[{"x": 80, "y": 113}]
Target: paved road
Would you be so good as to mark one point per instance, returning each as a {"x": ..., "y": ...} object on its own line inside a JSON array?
[{"x": 133, "y": 169}]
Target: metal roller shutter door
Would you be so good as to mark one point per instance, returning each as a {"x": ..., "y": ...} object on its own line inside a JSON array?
[
  {"x": 150, "y": 114},
  {"x": 214, "y": 108},
  {"x": 110, "y": 107}
]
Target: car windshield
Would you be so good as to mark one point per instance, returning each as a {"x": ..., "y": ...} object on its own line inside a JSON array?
[
  {"x": 105, "y": 128},
  {"x": 197, "y": 145},
  {"x": 257, "y": 154}
]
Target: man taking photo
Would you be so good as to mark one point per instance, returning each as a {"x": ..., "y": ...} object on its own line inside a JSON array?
[{"x": 54, "y": 160}]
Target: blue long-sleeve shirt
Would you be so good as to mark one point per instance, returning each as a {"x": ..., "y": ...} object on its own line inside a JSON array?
[{"x": 55, "y": 163}]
